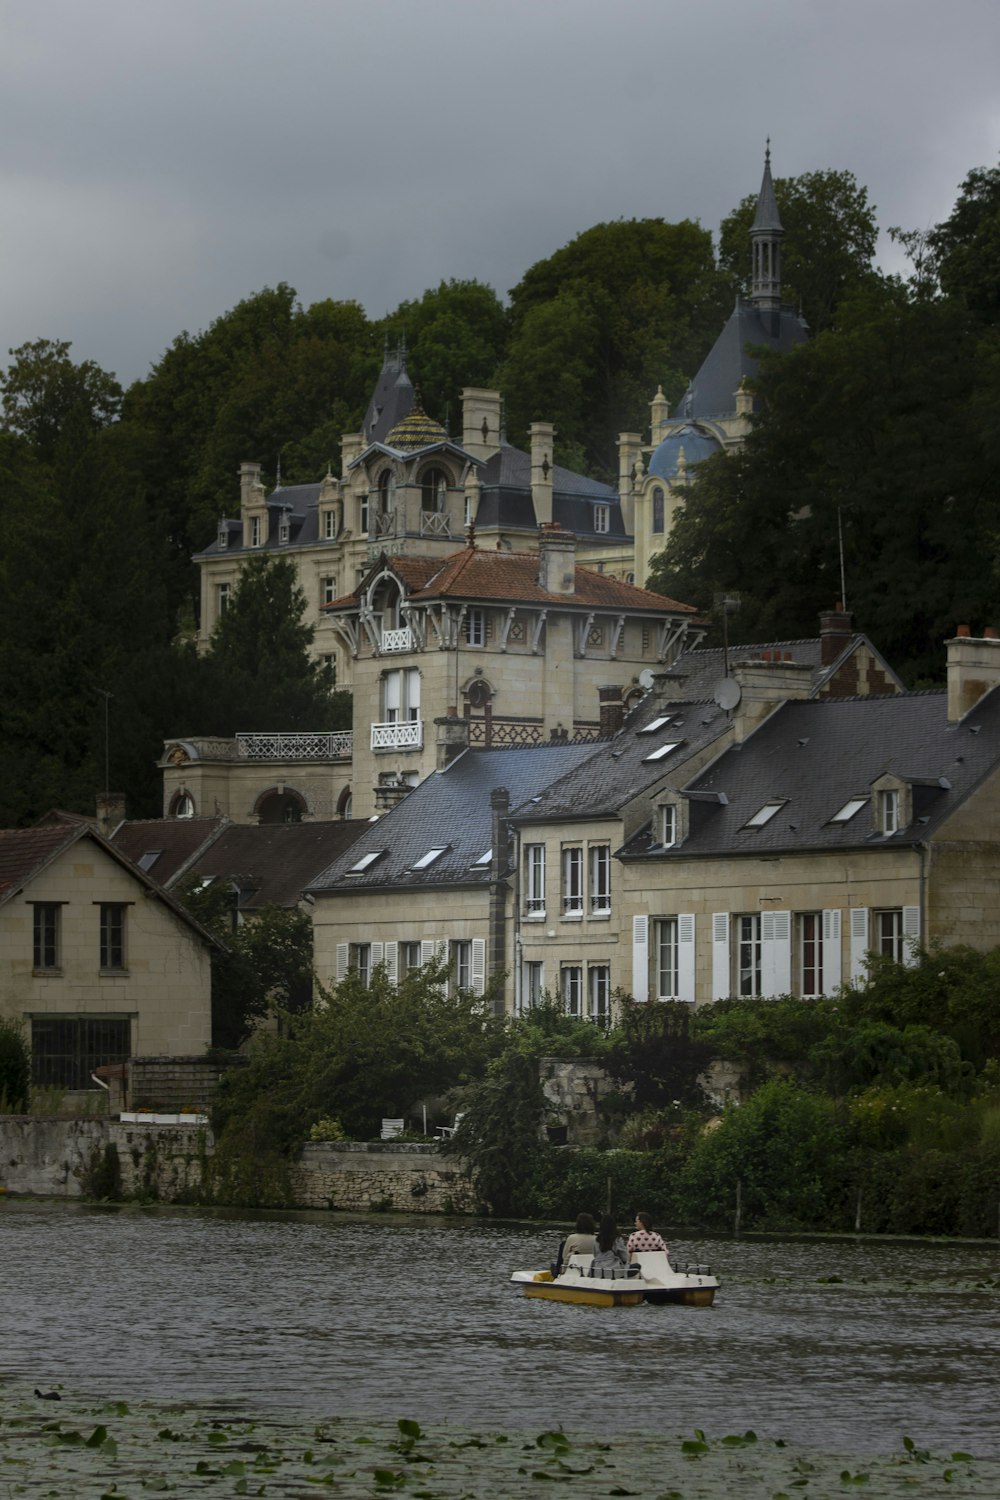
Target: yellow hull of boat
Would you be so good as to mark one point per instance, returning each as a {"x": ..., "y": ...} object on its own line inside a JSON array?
[{"x": 594, "y": 1296}]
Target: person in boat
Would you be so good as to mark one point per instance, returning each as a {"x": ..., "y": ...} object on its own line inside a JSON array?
[
  {"x": 610, "y": 1256},
  {"x": 580, "y": 1242},
  {"x": 644, "y": 1236}
]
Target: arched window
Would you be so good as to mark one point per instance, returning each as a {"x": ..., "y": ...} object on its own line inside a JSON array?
[
  {"x": 275, "y": 806},
  {"x": 658, "y": 510},
  {"x": 182, "y": 805},
  {"x": 344, "y": 803},
  {"x": 433, "y": 489},
  {"x": 386, "y": 492}
]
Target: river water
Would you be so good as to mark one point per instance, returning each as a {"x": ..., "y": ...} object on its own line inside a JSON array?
[{"x": 839, "y": 1345}]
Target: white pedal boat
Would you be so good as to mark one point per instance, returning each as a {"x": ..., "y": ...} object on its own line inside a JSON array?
[{"x": 657, "y": 1281}]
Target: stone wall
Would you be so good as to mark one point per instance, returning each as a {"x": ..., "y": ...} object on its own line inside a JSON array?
[
  {"x": 573, "y": 1091},
  {"x": 53, "y": 1158}
]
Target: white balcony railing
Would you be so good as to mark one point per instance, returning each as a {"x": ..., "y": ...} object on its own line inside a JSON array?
[
  {"x": 397, "y": 640},
  {"x": 404, "y": 734},
  {"x": 336, "y": 745}
]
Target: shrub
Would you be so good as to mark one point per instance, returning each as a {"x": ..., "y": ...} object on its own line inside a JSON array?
[{"x": 15, "y": 1067}]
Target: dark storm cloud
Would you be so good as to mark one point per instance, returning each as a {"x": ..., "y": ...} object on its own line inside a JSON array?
[{"x": 161, "y": 161}]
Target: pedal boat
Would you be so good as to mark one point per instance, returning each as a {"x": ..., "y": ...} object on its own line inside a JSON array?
[{"x": 657, "y": 1281}]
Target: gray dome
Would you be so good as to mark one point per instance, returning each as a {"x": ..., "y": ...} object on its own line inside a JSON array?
[{"x": 696, "y": 444}]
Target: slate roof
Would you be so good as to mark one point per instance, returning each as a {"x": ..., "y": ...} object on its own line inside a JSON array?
[
  {"x": 813, "y": 756},
  {"x": 391, "y": 399},
  {"x": 273, "y": 863},
  {"x": 301, "y": 501},
  {"x": 512, "y": 578},
  {"x": 697, "y": 670},
  {"x": 712, "y": 392},
  {"x": 505, "y": 498},
  {"x": 175, "y": 841},
  {"x": 450, "y": 809}
]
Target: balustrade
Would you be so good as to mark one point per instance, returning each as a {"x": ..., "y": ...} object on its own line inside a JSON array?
[
  {"x": 402, "y": 734},
  {"x": 335, "y": 745}
]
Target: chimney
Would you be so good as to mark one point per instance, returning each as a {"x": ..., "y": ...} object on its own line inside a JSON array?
[
  {"x": 612, "y": 710},
  {"x": 764, "y": 686},
  {"x": 251, "y": 489},
  {"x": 110, "y": 811},
  {"x": 836, "y": 630},
  {"x": 556, "y": 560},
  {"x": 973, "y": 669},
  {"x": 542, "y": 436},
  {"x": 481, "y": 413},
  {"x": 452, "y": 738},
  {"x": 629, "y": 448}
]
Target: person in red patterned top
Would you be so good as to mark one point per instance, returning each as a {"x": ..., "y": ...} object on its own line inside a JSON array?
[{"x": 644, "y": 1236}]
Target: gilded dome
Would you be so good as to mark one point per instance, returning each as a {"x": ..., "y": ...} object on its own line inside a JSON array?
[{"x": 417, "y": 430}]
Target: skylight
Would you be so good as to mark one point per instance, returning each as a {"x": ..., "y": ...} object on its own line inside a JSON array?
[
  {"x": 428, "y": 858},
  {"x": 365, "y": 862},
  {"x": 483, "y": 859},
  {"x": 661, "y": 751},
  {"x": 656, "y": 724},
  {"x": 148, "y": 860},
  {"x": 763, "y": 815},
  {"x": 849, "y": 809}
]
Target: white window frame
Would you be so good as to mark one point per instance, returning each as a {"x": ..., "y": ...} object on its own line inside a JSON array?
[
  {"x": 474, "y": 626},
  {"x": 329, "y": 525},
  {"x": 599, "y": 993},
  {"x": 534, "y": 881},
  {"x": 571, "y": 989},
  {"x": 666, "y": 955},
  {"x": 889, "y": 810},
  {"x": 533, "y": 983},
  {"x": 223, "y": 594},
  {"x": 749, "y": 955},
  {"x": 668, "y": 825},
  {"x": 328, "y": 588},
  {"x": 255, "y": 530},
  {"x": 461, "y": 963},
  {"x": 602, "y": 519},
  {"x": 810, "y": 933},
  {"x": 572, "y": 880},
  {"x": 599, "y": 858}
]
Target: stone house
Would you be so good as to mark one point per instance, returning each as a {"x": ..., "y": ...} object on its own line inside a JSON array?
[{"x": 97, "y": 959}]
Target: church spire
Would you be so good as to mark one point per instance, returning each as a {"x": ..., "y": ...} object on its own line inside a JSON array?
[{"x": 765, "y": 238}]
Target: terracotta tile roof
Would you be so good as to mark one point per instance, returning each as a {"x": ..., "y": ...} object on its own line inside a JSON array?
[
  {"x": 25, "y": 851},
  {"x": 512, "y": 577}
]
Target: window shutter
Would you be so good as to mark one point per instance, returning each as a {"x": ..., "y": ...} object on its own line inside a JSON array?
[
  {"x": 685, "y": 957},
  {"x": 721, "y": 982},
  {"x": 343, "y": 960},
  {"x": 776, "y": 952},
  {"x": 911, "y": 934},
  {"x": 640, "y": 958},
  {"x": 859, "y": 943},
  {"x": 441, "y": 949},
  {"x": 831, "y": 950},
  {"x": 377, "y": 951},
  {"x": 478, "y": 965},
  {"x": 392, "y": 961},
  {"x": 426, "y": 951}
]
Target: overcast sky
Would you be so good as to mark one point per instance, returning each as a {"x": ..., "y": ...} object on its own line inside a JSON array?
[{"x": 162, "y": 159}]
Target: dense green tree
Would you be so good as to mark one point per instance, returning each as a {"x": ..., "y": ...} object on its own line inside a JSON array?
[
  {"x": 15, "y": 1067},
  {"x": 655, "y": 1054},
  {"x": 870, "y": 435},
  {"x": 45, "y": 394},
  {"x": 599, "y": 324},
  {"x": 828, "y": 246},
  {"x": 456, "y": 334},
  {"x": 257, "y": 672},
  {"x": 967, "y": 245}
]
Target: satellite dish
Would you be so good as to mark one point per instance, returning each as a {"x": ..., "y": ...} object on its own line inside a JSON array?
[
  {"x": 645, "y": 679},
  {"x": 727, "y": 693}
]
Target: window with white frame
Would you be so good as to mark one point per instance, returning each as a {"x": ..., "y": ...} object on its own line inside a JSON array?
[
  {"x": 889, "y": 936},
  {"x": 534, "y": 880},
  {"x": 599, "y": 993},
  {"x": 748, "y": 954},
  {"x": 602, "y": 518},
  {"x": 328, "y": 588},
  {"x": 401, "y": 696},
  {"x": 329, "y": 525},
  {"x": 600, "y": 879},
  {"x": 668, "y": 825},
  {"x": 361, "y": 962},
  {"x": 666, "y": 967},
  {"x": 363, "y": 514},
  {"x": 474, "y": 627},
  {"x": 571, "y": 986},
  {"x": 461, "y": 964},
  {"x": 222, "y": 593},
  {"x": 409, "y": 958},
  {"x": 533, "y": 984},
  {"x": 223, "y": 535},
  {"x": 572, "y": 882},
  {"x": 888, "y": 810},
  {"x": 255, "y": 531},
  {"x": 284, "y": 527},
  {"x": 810, "y": 953}
]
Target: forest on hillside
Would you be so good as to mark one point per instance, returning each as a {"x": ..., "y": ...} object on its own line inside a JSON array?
[{"x": 883, "y": 429}]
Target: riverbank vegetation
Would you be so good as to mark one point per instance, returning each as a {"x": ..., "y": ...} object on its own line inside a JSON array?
[{"x": 877, "y": 1109}]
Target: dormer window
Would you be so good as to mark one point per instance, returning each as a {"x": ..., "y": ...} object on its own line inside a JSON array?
[
  {"x": 284, "y": 527},
  {"x": 223, "y": 535},
  {"x": 668, "y": 825},
  {"x": 255, "y": 531},
  {"x": 602, "y": 518},
  {"x": 329, "y": 526}
]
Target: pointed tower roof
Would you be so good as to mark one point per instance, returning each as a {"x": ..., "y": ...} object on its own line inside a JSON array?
[
  {"x": 766, "y": 235},
  {"x": 392, "y": 398},
  {"x": 767, "y": 217}
]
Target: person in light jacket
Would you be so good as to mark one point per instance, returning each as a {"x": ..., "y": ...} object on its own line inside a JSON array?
[{"x": 610, "y": 1257}]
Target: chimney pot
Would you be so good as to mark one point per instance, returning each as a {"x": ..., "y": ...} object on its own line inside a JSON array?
[
  {"x": 990, "y": 634},
  {"x": 963, "y": 630}
]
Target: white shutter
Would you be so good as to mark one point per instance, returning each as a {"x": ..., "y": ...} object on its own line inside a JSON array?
[
  {"x": 721, "y": 981},
  {"x": 392, "y": 961},
  {"x": 831, "y": 950},
  {"x": 859, "y": 943},
  {"x": 478, "y": 965},
  {"x": 343, "y": 961},
  {"x": 441, "y": 949},
  {"x": 685, "y": 957},
  {"x": 377, "y": 954},
  {"x": 911, "y": 934},
  {"x": 426, "y": 951},
  {"x": 776, "y": 952},
  {"x": 640, "y": 958}
]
